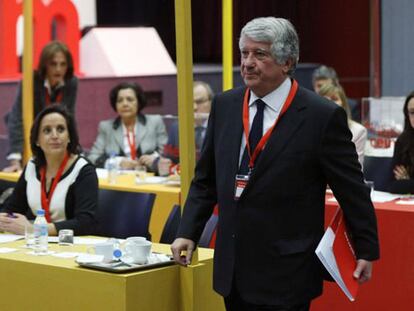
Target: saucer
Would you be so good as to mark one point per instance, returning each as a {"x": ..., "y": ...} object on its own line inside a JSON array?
[{"x": 130, "y": 261}]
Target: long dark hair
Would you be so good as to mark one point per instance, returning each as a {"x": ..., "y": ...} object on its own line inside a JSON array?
[
  {"x": 406, "y": 139},
  {"x": 47, "y": 54},
  {"x": 73, "y": 145}
]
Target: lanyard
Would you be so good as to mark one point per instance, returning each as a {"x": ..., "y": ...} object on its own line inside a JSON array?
[
  {"x": 266, "y": 136},
  {"x": 58, "y": 98},
  {"x": 46, "y": 199},
  {"x": 131, "y": 143}
]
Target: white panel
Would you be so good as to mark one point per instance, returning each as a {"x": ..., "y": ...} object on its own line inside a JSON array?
[
  {"x": 92, "y": 57},
  {"x": 121, "y": 52},
  {"x": 397, "y": 61},
  {"x": 86, "y": 12}
]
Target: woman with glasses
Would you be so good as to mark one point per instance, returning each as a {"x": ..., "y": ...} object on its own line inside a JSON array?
[{"x": 403, "y": 159}]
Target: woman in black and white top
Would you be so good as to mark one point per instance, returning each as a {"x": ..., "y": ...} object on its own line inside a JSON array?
[
  {"x": 57, "y": 179},
  {"x": 402, "y": 181}
]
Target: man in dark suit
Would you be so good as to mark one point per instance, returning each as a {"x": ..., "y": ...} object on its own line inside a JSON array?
[{"x": 271, "y": 192}]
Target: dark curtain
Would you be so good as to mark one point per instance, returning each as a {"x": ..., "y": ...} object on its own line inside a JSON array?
[{"x": 335, "y": 33}]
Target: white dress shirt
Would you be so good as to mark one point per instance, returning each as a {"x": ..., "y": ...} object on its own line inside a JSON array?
[{"x": 274, "y": 102}]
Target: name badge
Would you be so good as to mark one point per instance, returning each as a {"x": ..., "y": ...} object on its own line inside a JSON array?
[{"x": 239, "y": 185}]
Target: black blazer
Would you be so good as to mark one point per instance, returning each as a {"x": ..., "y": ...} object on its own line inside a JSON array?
[
  {"x": 14, "y": 120},
  {"x": 267, "y": 239}
]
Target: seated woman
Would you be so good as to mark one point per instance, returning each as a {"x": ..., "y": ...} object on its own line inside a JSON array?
[
  {"x": 57, "y": 179},
  {"x": 136, "y": 139},
  {"x": 53, "y": 83},
  {"x": 402, "y": 180},
  {"x": 359, "y": 132}
]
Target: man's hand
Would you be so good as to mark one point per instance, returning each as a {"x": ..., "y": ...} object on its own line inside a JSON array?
[
  {"x": 363, "y": 271},
  {"x": 182, "y": 245}
]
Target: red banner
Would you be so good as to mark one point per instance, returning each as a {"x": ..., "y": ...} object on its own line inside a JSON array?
[{"x": 62, "y": 12}]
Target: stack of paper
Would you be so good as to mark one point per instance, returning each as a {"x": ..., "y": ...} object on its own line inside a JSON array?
[{"x": 336, "y": 253}]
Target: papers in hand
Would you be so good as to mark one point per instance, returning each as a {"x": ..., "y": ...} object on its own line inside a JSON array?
[{"x": 336, "y": 253}]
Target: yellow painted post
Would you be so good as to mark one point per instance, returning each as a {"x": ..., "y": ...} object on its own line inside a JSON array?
[
  {"x": 227, "y": 44},
  {"x": 185, "y": 97},
  {"x": 185, "y": 93},
  {"x": 185, "y": 129},
  {"x": 27, "y": 103}
]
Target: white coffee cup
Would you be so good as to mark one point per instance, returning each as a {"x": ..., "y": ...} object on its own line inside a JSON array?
[
  {"x": 106, "y": 249},
  {"x": 136, "y": 250}
]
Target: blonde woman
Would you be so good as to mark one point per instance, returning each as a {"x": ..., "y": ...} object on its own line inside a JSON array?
[{"x": 359, "y": 133}]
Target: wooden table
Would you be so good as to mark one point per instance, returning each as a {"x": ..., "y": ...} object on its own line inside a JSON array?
[
  {"x": 42, "y": 283},
  {"x": 391, "y": 287},
  {"x": 166, "y": 197}
]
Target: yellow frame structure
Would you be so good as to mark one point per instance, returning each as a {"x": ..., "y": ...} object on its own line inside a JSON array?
[
  {"x": 227, "y": 38},
  {"x": 27, "y": 103}
]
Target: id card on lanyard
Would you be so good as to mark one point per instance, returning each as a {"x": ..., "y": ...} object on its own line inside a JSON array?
[{"x": 241, "y": 181}]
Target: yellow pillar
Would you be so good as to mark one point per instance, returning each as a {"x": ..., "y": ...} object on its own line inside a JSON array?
[
  {"x": 227, "y": 44},
  {"x": 185, "y": 130},
  {"x": 27, "y": 103},
  {"x": 185, "y": 97},
  {"x": 185, "y": 93}
]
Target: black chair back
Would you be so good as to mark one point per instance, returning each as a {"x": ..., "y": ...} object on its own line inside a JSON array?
[
  {"x": 378, "y": 170},
  {"x": 122, "y": 214},
  {"x": 208, "y": 231},
  {"x": 171, "y": 226}
]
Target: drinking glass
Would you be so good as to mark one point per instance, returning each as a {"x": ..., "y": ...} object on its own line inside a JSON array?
[{"x": 66, "y": 237}]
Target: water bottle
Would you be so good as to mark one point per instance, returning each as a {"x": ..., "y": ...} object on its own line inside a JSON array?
[
  {"x": 112, "y": 168},
  {"x": 40, "y": 229}
]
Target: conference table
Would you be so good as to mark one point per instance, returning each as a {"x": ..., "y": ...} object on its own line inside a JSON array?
[
  {"x": 166, "y": 196},
  {"x": 392, "y": 285},
  {"x": 42, "y": 283}
]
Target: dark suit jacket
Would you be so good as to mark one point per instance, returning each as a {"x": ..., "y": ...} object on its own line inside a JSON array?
[
  {"x": 267, "y": 239},
  {"x": 14, "y": 117}
]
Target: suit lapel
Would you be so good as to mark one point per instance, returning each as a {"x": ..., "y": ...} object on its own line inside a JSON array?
[
  {"x": 236, "y": 131},
  {"x": 282, "y": 135}
]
